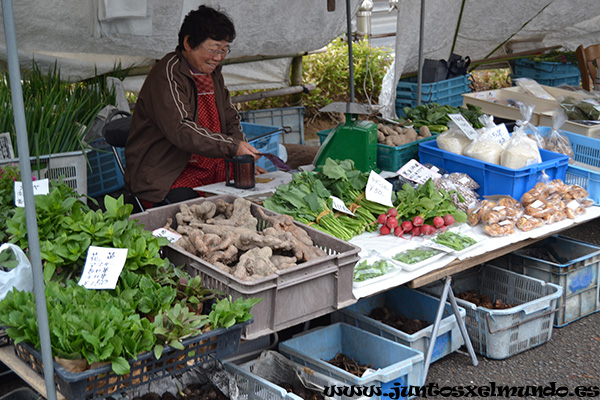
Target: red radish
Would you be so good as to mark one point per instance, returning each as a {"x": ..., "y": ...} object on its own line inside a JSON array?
[
  {"x": 438, "y": 222},
  {"x": 391, "y": 222},
  {"x": 392, "y": 212},
  {"x": 448, "y": 219},
  {"x": 382, "y": 218},
  {"x": 416, "y": 231},
  {"x": 427, "y": 229},
  {"x": 384, "y": 230},
  {"x": 443, "y": 229},
  {"x": 398, "y": 231},
  {"x": 406, "y": 226},
  {"x": 417, "y": 221}
]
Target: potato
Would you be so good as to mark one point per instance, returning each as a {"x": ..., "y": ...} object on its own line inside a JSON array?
[
  {"x": 424, "y": 131},
  {"x": 411, "y": 135},
  {"x": 380, "y": 136}
]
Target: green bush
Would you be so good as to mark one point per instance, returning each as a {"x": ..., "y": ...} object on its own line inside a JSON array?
[{"x": 329, "y": 71}]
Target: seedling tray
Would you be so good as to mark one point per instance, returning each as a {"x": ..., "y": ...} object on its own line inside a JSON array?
[{"x": 102, "y": 382}]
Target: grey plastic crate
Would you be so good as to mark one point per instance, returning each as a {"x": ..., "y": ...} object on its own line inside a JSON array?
[
  {"x": 72, "y": 167},
  {"x": 288, "y": 116},
  {"x": 576, "y": 270},
  {"x": 499, "y": 334},
  {"x": 290, "y": 296}
]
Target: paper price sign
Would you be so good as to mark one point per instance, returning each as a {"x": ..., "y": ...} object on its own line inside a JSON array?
[
  {"x": 162, "y": 232},
  {"x": 102, "y": 267},
  {"x": 379, "y": 190},
  {"x": 499, "y": 133},
  {"x": 464, "y": 125},
  {"x": 339, "y": 205},
  {"x": 417, "y": 172},
  {"x": 39, "y": 187}
]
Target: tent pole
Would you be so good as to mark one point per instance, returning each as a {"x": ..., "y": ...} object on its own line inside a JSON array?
[
  {"x": 421, "y": 61},
  {"x": 350, "y": 57},
  {"x": 30, "y": 215}
]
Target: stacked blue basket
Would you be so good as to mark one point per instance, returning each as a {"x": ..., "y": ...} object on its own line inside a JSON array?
[{"x": 448, "y": 91}]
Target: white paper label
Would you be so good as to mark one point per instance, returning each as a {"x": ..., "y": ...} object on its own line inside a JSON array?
[
  {"x": 102, "y": 267},
  {"x": 505, "y": 222},
  {"x": 417, "y": 172},
  {"x": 162, "y": 232},
  {"x": 464, "y": 125},
  {"x": 499, "y": 133},
  {"x": 6, "y": 147},
  {"x": 591, "y": 101},
  {"x": 339, "y": 205},
  {"x": 499, "y": 208},
  {"x": 379, "y": 190},
  {"x": 39, "y": 187},
  {"x": 537, "y": 204},
  {"x": 573, "y": 205}
]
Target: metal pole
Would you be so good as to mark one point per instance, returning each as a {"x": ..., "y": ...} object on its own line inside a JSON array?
[
  {"x": 30, "y": 215},
  {"x": 350, "y": 58},
  {"x": 421, "y": 61}
]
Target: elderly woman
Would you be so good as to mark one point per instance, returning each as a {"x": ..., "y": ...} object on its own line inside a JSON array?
[{"x": 184, "y": 124}]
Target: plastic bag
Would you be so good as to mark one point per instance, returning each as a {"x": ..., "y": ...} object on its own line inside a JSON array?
[
  {"x": 520, "y": 151},
  {"x": 556, "y": 141},
  {"x": 453, "y": 140},
  {"x": 485, "y": 148},
  {"x": 530, "y": 130},
  {"x": 20, "y": 277}
]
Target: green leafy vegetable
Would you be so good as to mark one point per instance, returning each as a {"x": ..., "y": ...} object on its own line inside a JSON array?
[
  {"x": 365, "y": 270},
  {"x": 455, "y": 241},
  {"x": 226, "y": 313}
]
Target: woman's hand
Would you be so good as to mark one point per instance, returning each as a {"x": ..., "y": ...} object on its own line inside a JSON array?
[{"x": 246, "y": 148}]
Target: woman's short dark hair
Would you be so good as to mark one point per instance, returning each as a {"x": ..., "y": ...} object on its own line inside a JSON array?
[{"x": 205, "y": 23}]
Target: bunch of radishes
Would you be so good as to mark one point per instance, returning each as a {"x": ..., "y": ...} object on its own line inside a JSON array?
[{"x": 415, "y": 227}]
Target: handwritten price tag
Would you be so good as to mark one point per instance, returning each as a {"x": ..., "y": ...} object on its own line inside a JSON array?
[
  {"x": 39, "y": 187},
  {"x": 464, "y": 125},
  {"x": 339, "y": 205},
  {"x": 102, "y": 267},
  {"x": 162, "y": 232},
  {"x": 499, "y": 133},
  {"x": 417, "y": 172},
  {"x": 379, "y": 190}
]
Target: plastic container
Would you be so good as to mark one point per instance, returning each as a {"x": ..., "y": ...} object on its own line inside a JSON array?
[
  {"x": 104, "y": 175},
  {"x": 422, "y": 306},
  {"x": 254, "y": 387},
  {"x": 264, "y": 144},
  {"x": 22, "y": 394},
  {"x": 397, "y": 364},
  {"x": 432, "y": 92},
  {"x": 495, "y": 179},
  {"x": 587, "y": 151},
  {"x": 576, "y": 270},
  {"x": 101, "y": 382},
  {"x": 288, "y": 116},
  {"x": 290, "y": 296},
  {"x": 72, "y": 167},
  {"x": 546, "y": 72},
  {"x": 499, "y": 334},
  {"x": 391, "y": 158}
]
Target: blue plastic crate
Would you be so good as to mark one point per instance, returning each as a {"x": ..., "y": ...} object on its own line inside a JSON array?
[
  {"x": 422, "y": 307},
  {"x": 587, "y": 151},
  {"x": 395, "y": 364},
  {"x": 495, "y": 179},
  {"x": 407, "y": 89},
  {"x": 452, "y": 100},
  {"x": 390, "y": 158},
  {"x": 266, "y": 144},
  {"x": 565, "y": 80},
  {"x": 103, "y": 174},
  {"x": 575, "y": 269},
  {"x": 545, "y": 69}
]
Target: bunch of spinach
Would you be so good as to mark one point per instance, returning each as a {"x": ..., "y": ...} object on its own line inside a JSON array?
[
  {"x": 435, "y": 116},
  {"x": 428, "y": 202}
]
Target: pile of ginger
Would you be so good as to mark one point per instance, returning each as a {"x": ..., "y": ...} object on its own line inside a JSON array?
[{"x": 227, "y": 235}]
